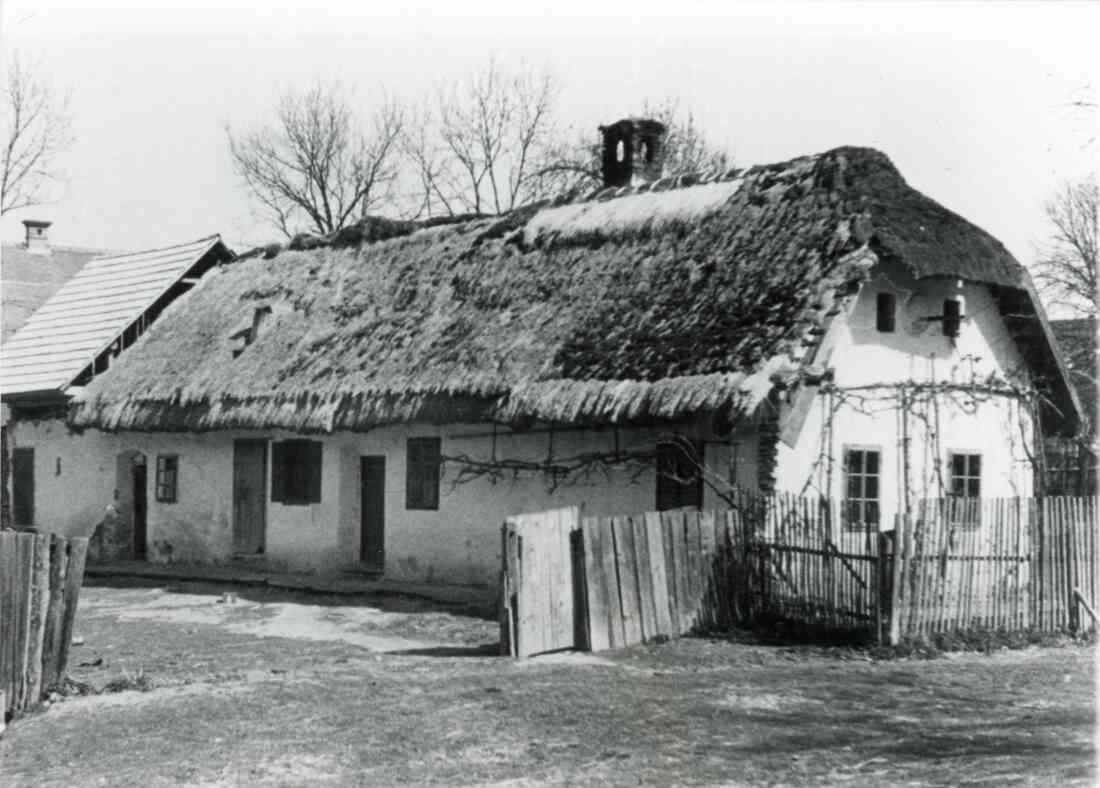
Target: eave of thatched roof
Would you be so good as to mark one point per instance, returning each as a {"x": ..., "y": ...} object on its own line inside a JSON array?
[{"x": 629, "y": 305}]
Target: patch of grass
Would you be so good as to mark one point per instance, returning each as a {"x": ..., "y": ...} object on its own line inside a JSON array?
[
  {"x": 848, "y": 644},
  {"x": 980, "y": 640},
  {"x": 127, "y": 681}
]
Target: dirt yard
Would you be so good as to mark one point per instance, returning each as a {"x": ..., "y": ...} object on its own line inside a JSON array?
[{"x": 269, "y": 688}]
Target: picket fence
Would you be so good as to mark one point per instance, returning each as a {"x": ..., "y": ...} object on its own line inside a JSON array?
[
  {"x": 40, "y": 579},
  {"x": 1003, "y": 563},
  {"x": 606, "y": 582}
]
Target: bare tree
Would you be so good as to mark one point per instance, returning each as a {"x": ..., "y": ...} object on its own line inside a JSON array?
[
  {"x": 1066, "y": 268},
  {"x": 316, "y": 163},
  {"x": 37, "y": 128},
  {"x": 478, "y": 144}
]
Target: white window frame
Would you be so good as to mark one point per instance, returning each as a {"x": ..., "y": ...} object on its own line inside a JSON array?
[{"x": 861, "y": 524}]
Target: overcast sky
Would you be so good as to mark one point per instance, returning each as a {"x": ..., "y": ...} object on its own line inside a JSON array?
[{"x": 970, "y": 102}]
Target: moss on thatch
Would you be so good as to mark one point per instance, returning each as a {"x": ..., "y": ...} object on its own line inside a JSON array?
[{"x": 649, "y": 305}]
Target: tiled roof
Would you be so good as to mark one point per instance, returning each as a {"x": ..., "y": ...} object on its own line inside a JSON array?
[
  {"x": 28, "y": 278},
  {"x": 89, "y": 312}
]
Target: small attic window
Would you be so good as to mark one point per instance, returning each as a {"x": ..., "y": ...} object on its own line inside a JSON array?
[{"x": 886, "y": 307}]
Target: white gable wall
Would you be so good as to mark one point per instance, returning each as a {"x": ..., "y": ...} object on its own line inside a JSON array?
[{"x": 997, "y": 427}]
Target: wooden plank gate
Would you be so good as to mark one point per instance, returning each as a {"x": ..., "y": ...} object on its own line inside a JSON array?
[
  {"x": 539, "y": 606},
  {"x": 40, "y": 579}
]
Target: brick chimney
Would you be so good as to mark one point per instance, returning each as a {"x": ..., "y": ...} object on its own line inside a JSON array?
[
  {"x": 633, "y": 151},
  {"x": 38, "y": 236}
]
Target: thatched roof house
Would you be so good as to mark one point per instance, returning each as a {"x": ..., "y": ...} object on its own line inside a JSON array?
[{"x": 631, "y": 304}]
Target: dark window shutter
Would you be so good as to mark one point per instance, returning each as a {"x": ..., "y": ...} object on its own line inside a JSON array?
[
  {"x": 313, "y": 471},
  {"x": 885, "y": 311},
  {"x": 952, "y": 317},
  {"x": 278, "y": 472},
  {"x": 23, "y": 486},
  {"x": 422, "y": 468}
]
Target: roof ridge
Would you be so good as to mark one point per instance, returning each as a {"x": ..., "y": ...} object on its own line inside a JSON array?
[{"x": 206, "y": 239}]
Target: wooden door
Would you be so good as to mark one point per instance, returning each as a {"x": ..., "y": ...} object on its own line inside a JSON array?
[
  {"x": 372, "y": 511},
  {"x": 23, "y": 487},
  {"x": 249, "y": 496},
  {"x": 138, "y": 477}
]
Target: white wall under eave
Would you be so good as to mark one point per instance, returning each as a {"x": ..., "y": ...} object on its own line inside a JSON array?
[
  {"x": 458, "y": 543},
  {"x": 73, "y": 500}
]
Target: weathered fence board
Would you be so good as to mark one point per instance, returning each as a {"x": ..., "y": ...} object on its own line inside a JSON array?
[{"x": 40, "y": 579}]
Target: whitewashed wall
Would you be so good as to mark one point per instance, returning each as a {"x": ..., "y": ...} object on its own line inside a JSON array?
[
  {"x": 458, "y": 543},
  {"x": 996, "y": 427}
]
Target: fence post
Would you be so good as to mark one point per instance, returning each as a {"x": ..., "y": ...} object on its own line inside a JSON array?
[
  {"x": 505, "y": 612},
  {"x": 881, "y": 611},
  {"x": 897, "y": 589}
]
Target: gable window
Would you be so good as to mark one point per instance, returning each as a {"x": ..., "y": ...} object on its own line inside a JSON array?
[
  {"x": 952, "y": 317},
  {"x": 422, "y": 463},
  {"x": 23, "y": 486},
  {"x": 679, "y": 481},
  {"x": 966, "y": 485},
  {"x": 861, "y": 488},
  {"x": 296, "y": 472},
  {"x": 167, "y": 474},
  {"x": 886, "y": 306}
]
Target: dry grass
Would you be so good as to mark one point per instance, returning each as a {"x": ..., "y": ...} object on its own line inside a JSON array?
[{"x": 231, "y": 708}]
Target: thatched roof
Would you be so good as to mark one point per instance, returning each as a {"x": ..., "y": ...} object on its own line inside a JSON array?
[
  {"x": 623, "y": 306},
  {"x": 1077, "y": 339}
]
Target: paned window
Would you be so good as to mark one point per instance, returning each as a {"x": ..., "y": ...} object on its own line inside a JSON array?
[
  {"x": 966, "y": 484},
  {"x": 861, "y": 488},
  {"x": 167, "y": 477}
]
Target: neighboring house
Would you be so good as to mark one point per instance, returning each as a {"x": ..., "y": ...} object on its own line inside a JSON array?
[
  {"x": 30, "y": 272},
  {"x": 74, "y": 336},
  {"x": 1071, "y": 463},
  {"x": 385, "y": 397}
]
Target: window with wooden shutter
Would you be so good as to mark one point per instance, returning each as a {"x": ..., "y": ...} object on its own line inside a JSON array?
[
  {"x": 886, "y": 306},
  {"x": 679, "y": 474},
  {"x": 952, "y": 317},
  {"x": 23, "y": 486},
  {"x": 296, "y": 472},
  {"x": 422, "y": 465}
]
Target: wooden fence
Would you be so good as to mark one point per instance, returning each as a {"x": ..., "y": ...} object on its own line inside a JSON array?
[
  {"x": 1003, "y": 563},
  {"x": 40, "y": 579},
  {"x": 610, "y": 582}
]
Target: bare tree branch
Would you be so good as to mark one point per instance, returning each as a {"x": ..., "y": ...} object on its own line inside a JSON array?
[
  {"x": 37, "y": 128},
  {"x": 1066, "y": 269},
  {"x": 316, "y": 162},
  {"x": 480, "y": 143}
]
